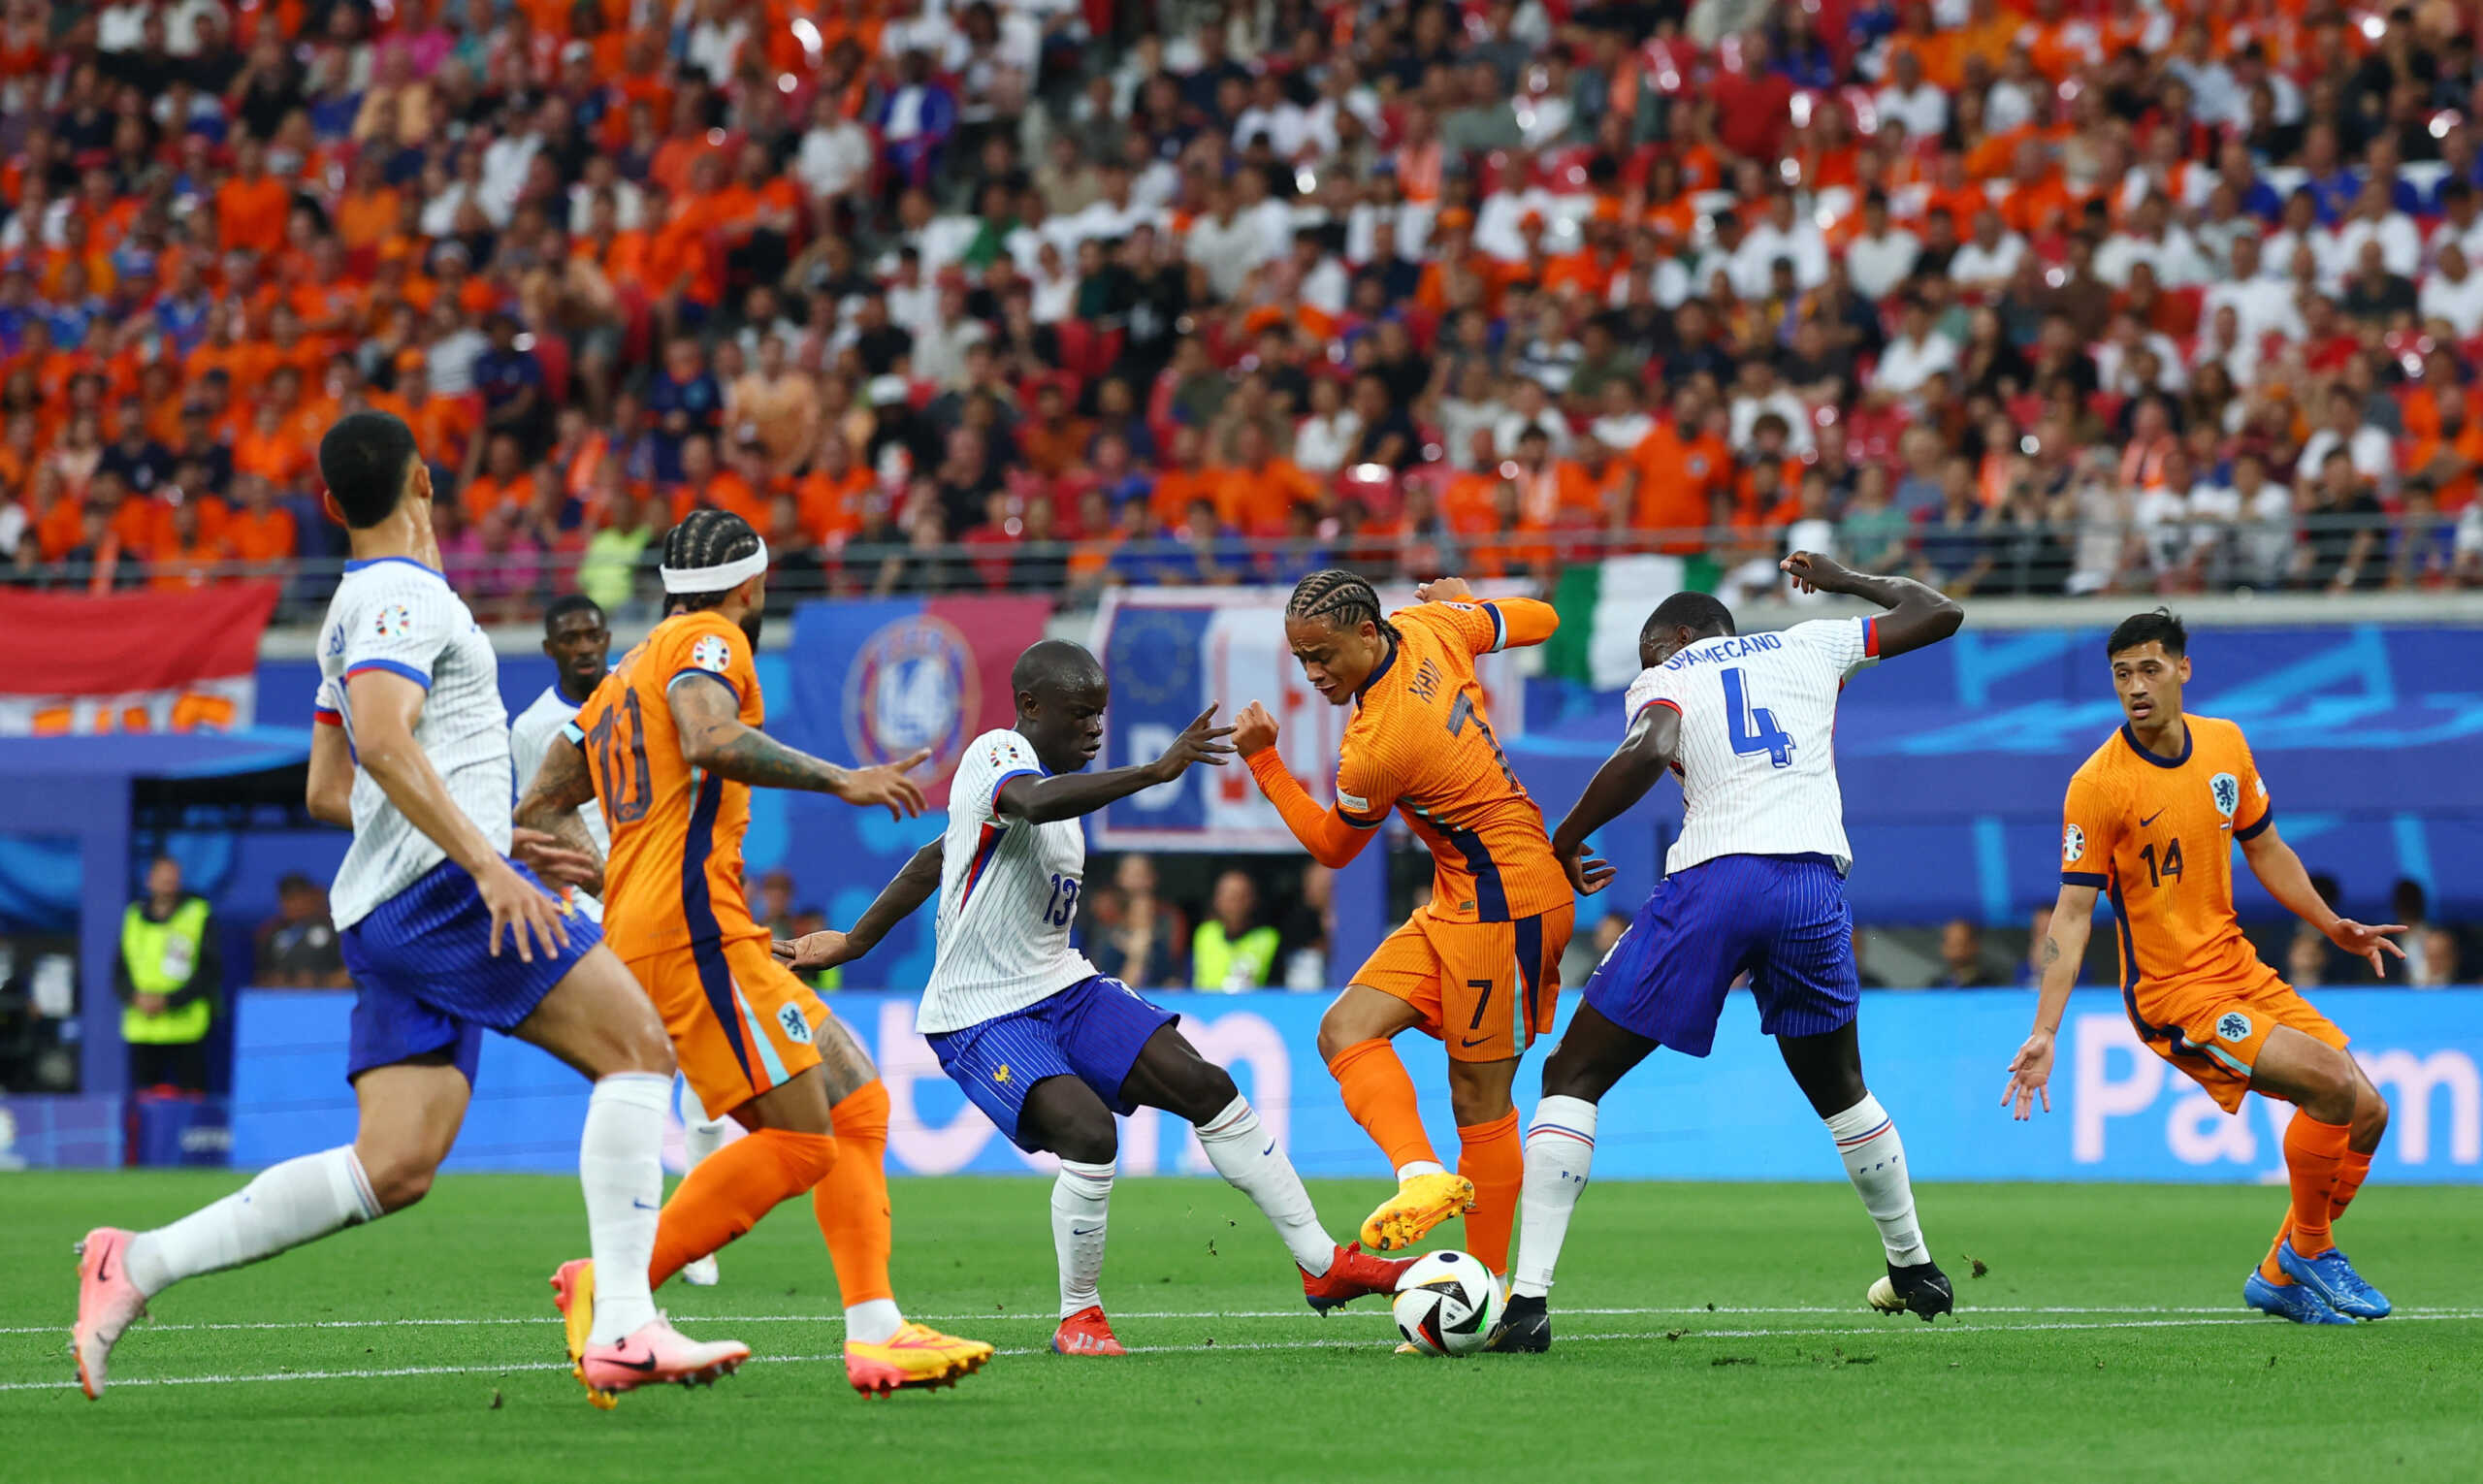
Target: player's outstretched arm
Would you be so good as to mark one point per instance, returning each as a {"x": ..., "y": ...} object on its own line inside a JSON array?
[
  {"x": 1517, "y": 621},
  {"x": 713, "y": 736},
  {"x": 329, "y": 798},
  {"x": 2064, "y": 949},
  {"x": 1067, "y": 795},
  {"x": 2282, "y": 873},
  {"x": 911, "y": 887},
  {"x": 1331, "y": 839},
  {"x": 563, "y": 786},
  {"x": 1624, "y": 777},
  {"x": 1918, "y": 615},
  {"x": 385, "y": 707}
]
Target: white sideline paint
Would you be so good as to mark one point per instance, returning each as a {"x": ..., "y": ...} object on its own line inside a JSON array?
[{"x": 1882, "y": 1330}]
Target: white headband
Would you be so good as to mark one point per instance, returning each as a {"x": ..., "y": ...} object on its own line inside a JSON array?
[{"x": 715, "y": 579}]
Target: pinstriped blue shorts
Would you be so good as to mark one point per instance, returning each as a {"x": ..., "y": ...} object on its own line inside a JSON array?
[
  {"x": 425, "y": 979},
  {"x": 1093, "y": 1031},
  {"x": 1782, "y": 917}
]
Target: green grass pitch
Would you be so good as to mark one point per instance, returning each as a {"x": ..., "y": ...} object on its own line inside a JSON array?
[{"x": 1706, "y": 1332}]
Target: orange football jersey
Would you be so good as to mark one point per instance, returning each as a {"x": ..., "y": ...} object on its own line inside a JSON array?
[
  {"x": 2156, "y": 835},
  {"x": 673, "y": 874},
  {"x": 1421, "y": 743}
]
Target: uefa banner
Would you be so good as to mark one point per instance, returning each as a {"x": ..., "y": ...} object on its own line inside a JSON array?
[
  {"x": 1173, "y": 652},
  {"x": 187, "y": 661},
  {"x": 1937, "y": 1059}
]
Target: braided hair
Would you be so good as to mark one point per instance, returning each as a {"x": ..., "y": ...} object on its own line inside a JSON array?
[
  {"x": 1343, "y": 601},
  {"x": 706, "y": 538}
]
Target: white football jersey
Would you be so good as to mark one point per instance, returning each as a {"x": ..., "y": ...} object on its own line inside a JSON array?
[
  {"x": 1758, "y": 750},
  {"x": 530, "y": 734},
  {"x": 395, "y": 614},
  {"x": 1007, "y": 894}
]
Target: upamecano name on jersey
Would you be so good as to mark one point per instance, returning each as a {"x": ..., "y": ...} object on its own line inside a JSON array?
[{"x": 1729, "y": 647}]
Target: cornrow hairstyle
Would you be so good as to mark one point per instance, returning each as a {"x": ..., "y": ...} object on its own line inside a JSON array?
[
  {"x": 1339, "y": 599},
  {"x": 708, "y": 537}
]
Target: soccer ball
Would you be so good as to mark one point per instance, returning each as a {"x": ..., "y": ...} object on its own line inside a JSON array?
[{"x": 1447, "y": 1304}]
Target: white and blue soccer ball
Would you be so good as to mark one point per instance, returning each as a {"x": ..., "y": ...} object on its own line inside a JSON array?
[{"x": 1447, "y": 1304}]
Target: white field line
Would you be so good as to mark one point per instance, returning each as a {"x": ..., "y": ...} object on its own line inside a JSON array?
[
  {"x": 1373, "y": 1312},
  {"x": 1906, "y": 1333}
]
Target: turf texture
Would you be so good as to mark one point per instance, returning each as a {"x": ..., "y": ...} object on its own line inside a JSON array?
[{"x": 1703, "y": 1332}]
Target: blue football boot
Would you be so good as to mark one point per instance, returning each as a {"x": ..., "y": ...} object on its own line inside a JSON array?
[
  {"x": 2295, "y": 1300},
  {"x": 2334, "y": 1280}
]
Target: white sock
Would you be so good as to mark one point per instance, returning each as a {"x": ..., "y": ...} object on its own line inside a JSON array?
[
  {"x": 1413, "y": 1166},
  {"x": 621, "y": 1165},
  {"x": 1867, "y": 1140},
  {"x": 1247, "y": 1157},
  {"x": 1080, "y": 1200},
  {"x": 701, "y": 1137},
  {"x": 1559, "y": 1151},
  {"x": 288, "y": 1205},
  {"x": 873, "y": 1320}
]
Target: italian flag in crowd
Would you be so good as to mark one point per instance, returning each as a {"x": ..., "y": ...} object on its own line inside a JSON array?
[{"x": 1602, "y": 606}]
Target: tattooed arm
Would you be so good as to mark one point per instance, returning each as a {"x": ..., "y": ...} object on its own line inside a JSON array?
[
  {"x": 562, "y": 784},
  {"x": 714, "y": 737}
]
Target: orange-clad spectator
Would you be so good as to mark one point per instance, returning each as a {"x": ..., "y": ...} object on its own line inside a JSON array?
[
  {"x": 1253, "y": 494},
  {"x": 260, "y": 531},
  {"x": 1990, "y": 31},
  {"x": 1598, "y": 484},
  {"x": 444, "y": 426},
  {"x": 211, "y": 516},
  {"x": 21, "y": 455},
  {"x": 327, "y": 300},
  {"x": 706, "y": 483},
  {"x": 269, "y": 448},
  {"x": 759, "y": 198},
  {"x": 2450, "y": 449},
  {"x": 1185, "y": 478},
  {"x": 1588, "y": 272},
  {"x": 2040, "y": 202},
  {"x": 1939, "y": 53},
  {"x": 289, "y": 349},
  {"x": 1054, "y": 439},
  {"x": 1681, "y": 468},
  {"x": 133, "y": 515},
  {"x": 1419, "y": 159},
  {"x": 453, "y": 281},
  {"x": 502, "y": 484},
  {"x": 1954, "y": 193},
  {"x": 366, "y": 213},
  {"x": 684, "y": 148},
  {"x": 251, "y": 208},
  {"x": 1764, "y": 496},
  {"x": 1514, "y": 545},
  {"x": 58, "y": 515},
  {"x": 1536, "y": 479},
  {"x": 1472, "y": 501},
  {"x": 1457, "y": 275},
  {"x": 182, "y": 555},
  {"x": 2063, "y": 41},
  {"x": 685, "y": 257},
  {"x": 836, "y": 494},
  {"x": 222, "y": 349}
]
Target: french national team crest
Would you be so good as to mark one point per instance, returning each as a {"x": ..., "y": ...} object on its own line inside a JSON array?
[
  {"x": 911, "y": 686},
  {"x": 2233, "y": 1026},
  {"x": 2227, "y": 790}
]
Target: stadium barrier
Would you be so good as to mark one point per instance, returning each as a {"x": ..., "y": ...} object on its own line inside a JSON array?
[{"x": 1938, "y": 1059}]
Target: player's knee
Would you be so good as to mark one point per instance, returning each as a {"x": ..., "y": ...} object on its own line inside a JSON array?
[
  {"x": 1205, "y": 1090},
  {"x": 1334, "y": 1038},
  {"x": 1478, "y": 1093},
  {"x": 398, "y": 1177},
  {"x": 2333, "y": 1087},
  {"x": 641, "y": 1050},
  {"x": 2371, "y": 1118},
  {"x": 1087, "y": 1140}
]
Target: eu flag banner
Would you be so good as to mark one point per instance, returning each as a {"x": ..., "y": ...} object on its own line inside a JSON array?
[
  {"x": 867, "y": 682},
  {"x": 1173, "y": 652}
]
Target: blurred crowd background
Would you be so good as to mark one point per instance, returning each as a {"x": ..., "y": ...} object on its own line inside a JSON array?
[{"x": 2042, "y": 297}]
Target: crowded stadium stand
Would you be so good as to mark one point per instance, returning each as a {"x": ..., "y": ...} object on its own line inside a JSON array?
[{"x": 1051, "y": 297}]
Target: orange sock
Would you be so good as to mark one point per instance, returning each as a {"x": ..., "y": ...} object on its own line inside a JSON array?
[
  {"x": 852, "y": 1203},
  {"x": 2313, "y": 1153},
  {"x": 1381, "y": 1096},
  {"x": 2351, "y": 1171},
  {"x": 1491, "y": 1157},
  {"x": 732, "y": 1189}
]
